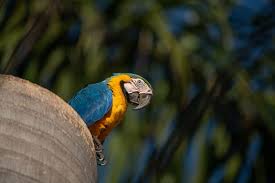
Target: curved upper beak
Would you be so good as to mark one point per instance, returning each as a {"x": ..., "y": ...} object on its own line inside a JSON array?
[{"x": 140, "y": 96}]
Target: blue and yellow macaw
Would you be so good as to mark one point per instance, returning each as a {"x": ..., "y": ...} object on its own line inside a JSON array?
[{"x": 102, "y": 105}]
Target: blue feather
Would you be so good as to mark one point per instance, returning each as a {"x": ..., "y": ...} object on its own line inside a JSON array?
[{"x": 92, "y": 102}]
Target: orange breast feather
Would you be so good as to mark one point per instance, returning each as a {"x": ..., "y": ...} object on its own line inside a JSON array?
[{"x": 103, "y": 127}]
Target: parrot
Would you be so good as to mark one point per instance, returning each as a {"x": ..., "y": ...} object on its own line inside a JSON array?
[{"x": 103, "y": 105}]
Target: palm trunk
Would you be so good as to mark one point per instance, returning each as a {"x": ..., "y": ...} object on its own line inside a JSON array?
[{"x": 42, "y": 139}]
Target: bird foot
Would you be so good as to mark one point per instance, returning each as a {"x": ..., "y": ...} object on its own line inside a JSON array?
[{"x": 99, "y": 152}]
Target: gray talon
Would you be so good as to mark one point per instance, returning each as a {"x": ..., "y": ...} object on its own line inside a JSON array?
[{"x": 99, "y": 152}]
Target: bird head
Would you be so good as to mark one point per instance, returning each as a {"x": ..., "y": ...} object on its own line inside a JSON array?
[{"x": 138, "y": 91}]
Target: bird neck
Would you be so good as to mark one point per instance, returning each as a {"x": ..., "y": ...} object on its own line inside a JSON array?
[{"x": 119, "y": 106}]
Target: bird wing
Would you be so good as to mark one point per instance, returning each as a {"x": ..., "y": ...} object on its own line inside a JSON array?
[{"x": 92, "y": 102}]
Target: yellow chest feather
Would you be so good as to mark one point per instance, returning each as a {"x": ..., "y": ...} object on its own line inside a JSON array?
[{"x": 119, "y": 107}]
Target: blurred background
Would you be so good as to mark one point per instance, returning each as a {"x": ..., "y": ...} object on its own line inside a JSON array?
[{"x": 210, "y": 62}]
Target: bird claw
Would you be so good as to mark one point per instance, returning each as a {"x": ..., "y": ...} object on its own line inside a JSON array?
[
  {"x": 100, "y": 159},
  {"x": 99, "y": 152}
]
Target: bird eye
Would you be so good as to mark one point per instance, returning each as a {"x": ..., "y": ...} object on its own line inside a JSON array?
[{"x": 138, "y": 82}]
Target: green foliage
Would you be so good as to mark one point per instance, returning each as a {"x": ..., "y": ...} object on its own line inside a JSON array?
[{"x": 211, "y": 95}]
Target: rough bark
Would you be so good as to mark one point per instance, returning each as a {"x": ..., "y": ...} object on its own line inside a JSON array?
[{"x": 42, "y": 139}]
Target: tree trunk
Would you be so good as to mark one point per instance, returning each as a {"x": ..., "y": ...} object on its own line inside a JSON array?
[{"x": 42, "y": 139}]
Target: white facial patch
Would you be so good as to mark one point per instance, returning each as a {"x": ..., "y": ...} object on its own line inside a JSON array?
[
  {"x": 142, "y": 86},
  {"x": 130, "y": 87}
]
